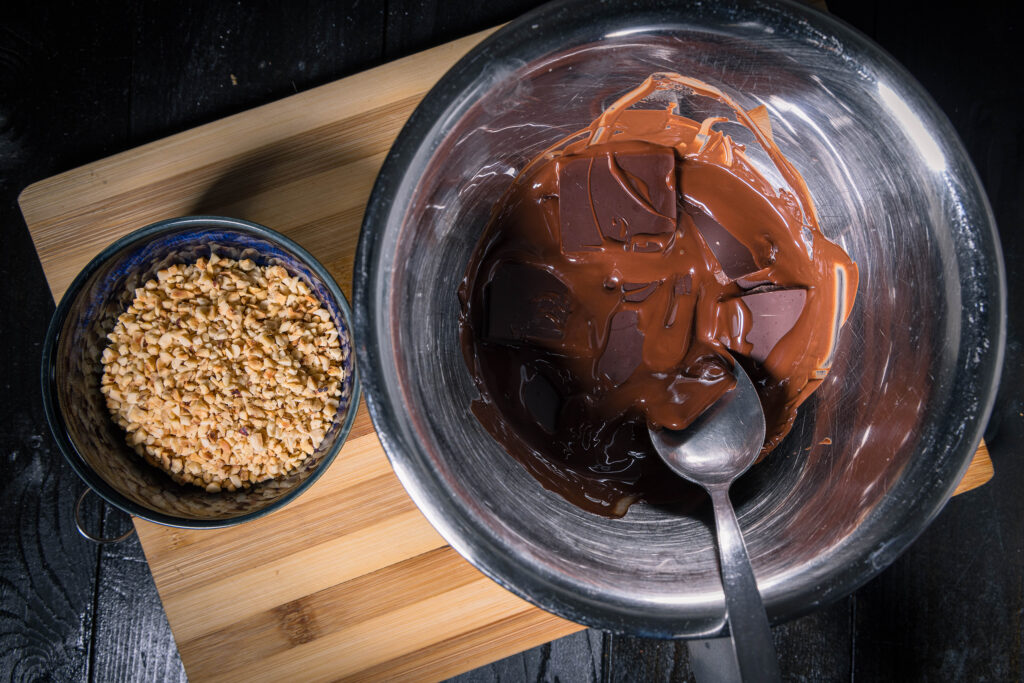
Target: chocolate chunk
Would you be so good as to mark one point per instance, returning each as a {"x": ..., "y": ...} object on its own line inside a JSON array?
[
  {"x": 735, "y": 259},
  {"x": 634, "y": 193},
  {"x": 617, "y": 196},
  {"x": 526, "y": 304},
  {"x": 576, "y": 223},
  {"x": 622, "y": 353},
  {"x": 772, "y": 315},
  {"x": 652, "y": 173},
  {"x": 638, "y": 291},
  {"x": 540, "y": 398}
]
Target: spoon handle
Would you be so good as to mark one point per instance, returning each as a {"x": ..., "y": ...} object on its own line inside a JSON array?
[{"x": 748, "y": 623}]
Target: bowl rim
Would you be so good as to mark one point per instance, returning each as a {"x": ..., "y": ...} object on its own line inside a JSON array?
[
  {"x": 51, "y": 405},
  {"x": 419, "y": 137}
]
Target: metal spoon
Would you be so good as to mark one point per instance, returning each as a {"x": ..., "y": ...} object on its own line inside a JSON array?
[{"x": 712, "y": 452}]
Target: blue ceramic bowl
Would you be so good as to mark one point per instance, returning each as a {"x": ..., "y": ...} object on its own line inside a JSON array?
[{"x": 71, "y": 371}]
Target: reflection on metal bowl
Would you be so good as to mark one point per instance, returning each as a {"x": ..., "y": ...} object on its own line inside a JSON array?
[{"x": 876, "y": 451}]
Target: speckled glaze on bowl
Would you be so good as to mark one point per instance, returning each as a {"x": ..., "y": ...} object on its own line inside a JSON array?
[{"x": 71, "y": 370}]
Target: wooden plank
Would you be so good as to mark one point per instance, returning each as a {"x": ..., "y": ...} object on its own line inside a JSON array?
[
  {"x": 979, "y": 472},
  {"x": 349, "y": 580}
]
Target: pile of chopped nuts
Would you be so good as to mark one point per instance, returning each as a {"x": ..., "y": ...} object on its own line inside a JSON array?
[{"x": 224, "y": 373}]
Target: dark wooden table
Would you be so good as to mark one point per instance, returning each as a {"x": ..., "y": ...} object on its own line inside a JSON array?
[{"x": 79, "y": 81}]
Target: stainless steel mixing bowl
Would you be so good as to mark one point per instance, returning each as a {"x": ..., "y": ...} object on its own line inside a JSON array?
[{"x": 878, "y": 449}]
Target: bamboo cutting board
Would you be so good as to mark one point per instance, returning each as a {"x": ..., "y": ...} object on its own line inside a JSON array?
[{"x": 349, "y": 581}]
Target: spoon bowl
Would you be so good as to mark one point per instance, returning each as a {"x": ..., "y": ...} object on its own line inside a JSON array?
[{"x": 722, "y": 443}]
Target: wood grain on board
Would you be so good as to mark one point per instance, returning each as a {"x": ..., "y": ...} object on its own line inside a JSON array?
[
  {"x": 979, "y": 471},
  {"x": 349, "y": 581}
]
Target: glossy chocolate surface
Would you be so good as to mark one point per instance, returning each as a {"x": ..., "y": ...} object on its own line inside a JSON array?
[{"x": 618, "y": 277}]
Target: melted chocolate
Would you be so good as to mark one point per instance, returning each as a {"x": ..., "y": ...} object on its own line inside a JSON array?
[{"x": 617, "y": 278}]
